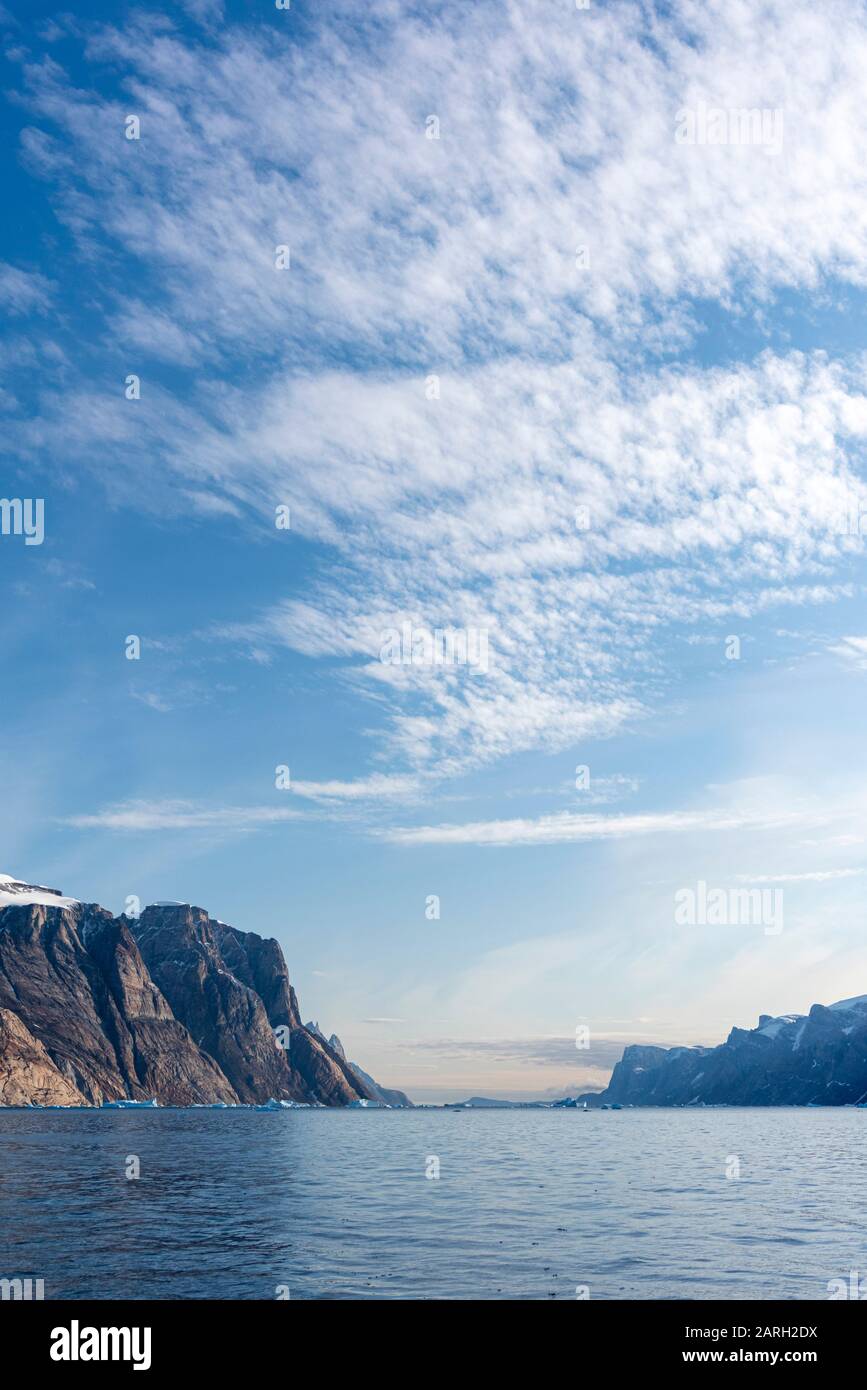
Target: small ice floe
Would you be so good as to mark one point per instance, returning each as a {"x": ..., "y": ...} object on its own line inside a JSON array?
[
  {"x": 273, "y": 1104},
  {"x": 129, "y": 1105}
]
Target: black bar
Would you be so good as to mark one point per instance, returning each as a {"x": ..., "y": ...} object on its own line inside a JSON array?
[{"x": 264, "y": 1338}]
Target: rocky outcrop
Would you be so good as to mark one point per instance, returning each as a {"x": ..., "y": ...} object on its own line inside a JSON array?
[
  {"x": 258, "y": 962},
  {"x": 227, "y": 1018},
  {"x": 326, "y": 1073},
  {"x": 815, "y": 1059},
  {"x": 231, "y": 989},
  {"x": 27, "y": 1074},
  {"x": 384, "y": 1095},
  {"x": 76, "y": 979},
  {"x": 173, "y": 1005}
]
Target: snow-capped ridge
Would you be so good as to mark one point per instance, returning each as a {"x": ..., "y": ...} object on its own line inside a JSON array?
[
  {"x": 771, "y": 1026},
  {"x": 17, "y": 890},
  {"x": 853, "y": 1003}
]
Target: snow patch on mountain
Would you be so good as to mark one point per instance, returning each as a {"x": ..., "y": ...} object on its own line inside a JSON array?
[{"x": 15, "y": 890}]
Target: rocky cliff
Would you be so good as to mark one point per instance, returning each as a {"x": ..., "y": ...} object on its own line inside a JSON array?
[
  {"x": 383, "y": 1095},
  {"x": 27, "y": 1074},
  {"x": 173, "y": 1005},
  {"x": 75, "y": 978},
  {"x": 819, "y": 1058},
  {"x": 231, "y": 989}
]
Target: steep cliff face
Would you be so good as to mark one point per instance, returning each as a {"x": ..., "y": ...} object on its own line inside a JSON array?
[
  {"x": 258, "y": 962},
  {"x": 231, "y": 989},
  {"x": 819, "y": 1058},
  {"x": 383, "y": 1095},
  {"x": 225, "y": 1016},
  {"x": 173, "y": 1005},
  {"x": 325, "y": 1072},
  {"x": 27, "y": 1074},
  {"x": 76, "y": 979}
]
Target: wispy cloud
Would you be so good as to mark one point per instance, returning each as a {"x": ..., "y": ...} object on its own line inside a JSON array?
[
  {"x": 620, "y": 496},
  {"x": 476, "y": 230},
  {"x": 23, "y": 291},
  {"x": 182, "y": 815},
  {"x": 377, "y": 787},
  {"x": 553, "y": 1051},
  {"x": 853, "y": 650},
  {"x": 568, "y": 827},
  {"x": 814, "y": 876}
]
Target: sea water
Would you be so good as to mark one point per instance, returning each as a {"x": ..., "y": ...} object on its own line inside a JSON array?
[{"x": 527, "y": 1204}]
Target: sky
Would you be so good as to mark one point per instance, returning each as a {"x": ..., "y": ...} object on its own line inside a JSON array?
[{"x": 328, "y": 325}]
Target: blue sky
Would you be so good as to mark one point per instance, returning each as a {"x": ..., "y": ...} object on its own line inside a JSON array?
[{"x": 696, "y": 386}]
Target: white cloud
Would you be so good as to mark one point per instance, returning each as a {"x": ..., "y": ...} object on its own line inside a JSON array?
[
  {"x": 23, "y": 291},
  {"x": 569, "y": 827},
  {"x": 712, "y": 499},
  {"x": 557, "y": 129},
  {"x": 853, "y": 650},
  {"x": 709, "y": 490},
  {"x": 374, "y": 788},
  {"x": 182, "y": 815}
]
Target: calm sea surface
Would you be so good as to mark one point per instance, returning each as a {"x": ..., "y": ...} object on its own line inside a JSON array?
[{"x": 528, "y": 1204}]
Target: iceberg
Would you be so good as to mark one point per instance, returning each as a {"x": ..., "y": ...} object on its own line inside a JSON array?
[{"x": 129, "y": 1105}]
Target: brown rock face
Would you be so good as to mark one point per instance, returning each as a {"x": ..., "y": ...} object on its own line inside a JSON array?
[
  {"x": 326, "y": 1074},
  {"x": 227, "y": 1018},
  {"x": 27, "y": 1074},
  {"x": 76, "y": 978},
  {"x": 172, "y": 1006},
  {"x": 321, "y": 1070},
  {"x": 258, "y": 962},
  {"x": 232, "y": 990}
]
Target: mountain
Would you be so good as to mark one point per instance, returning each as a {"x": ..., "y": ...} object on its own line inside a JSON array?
[
  {"x": 75, "y": 978},
  {"x": 819, "y": 1058},
  {"x": 385, "y": 1095},
  {"x": 173, "y": 1005}
]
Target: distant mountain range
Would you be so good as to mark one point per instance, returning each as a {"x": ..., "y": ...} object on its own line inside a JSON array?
[
  {"x": 819, "y": 1058},
  {"x": 172, "y": 1005}
]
